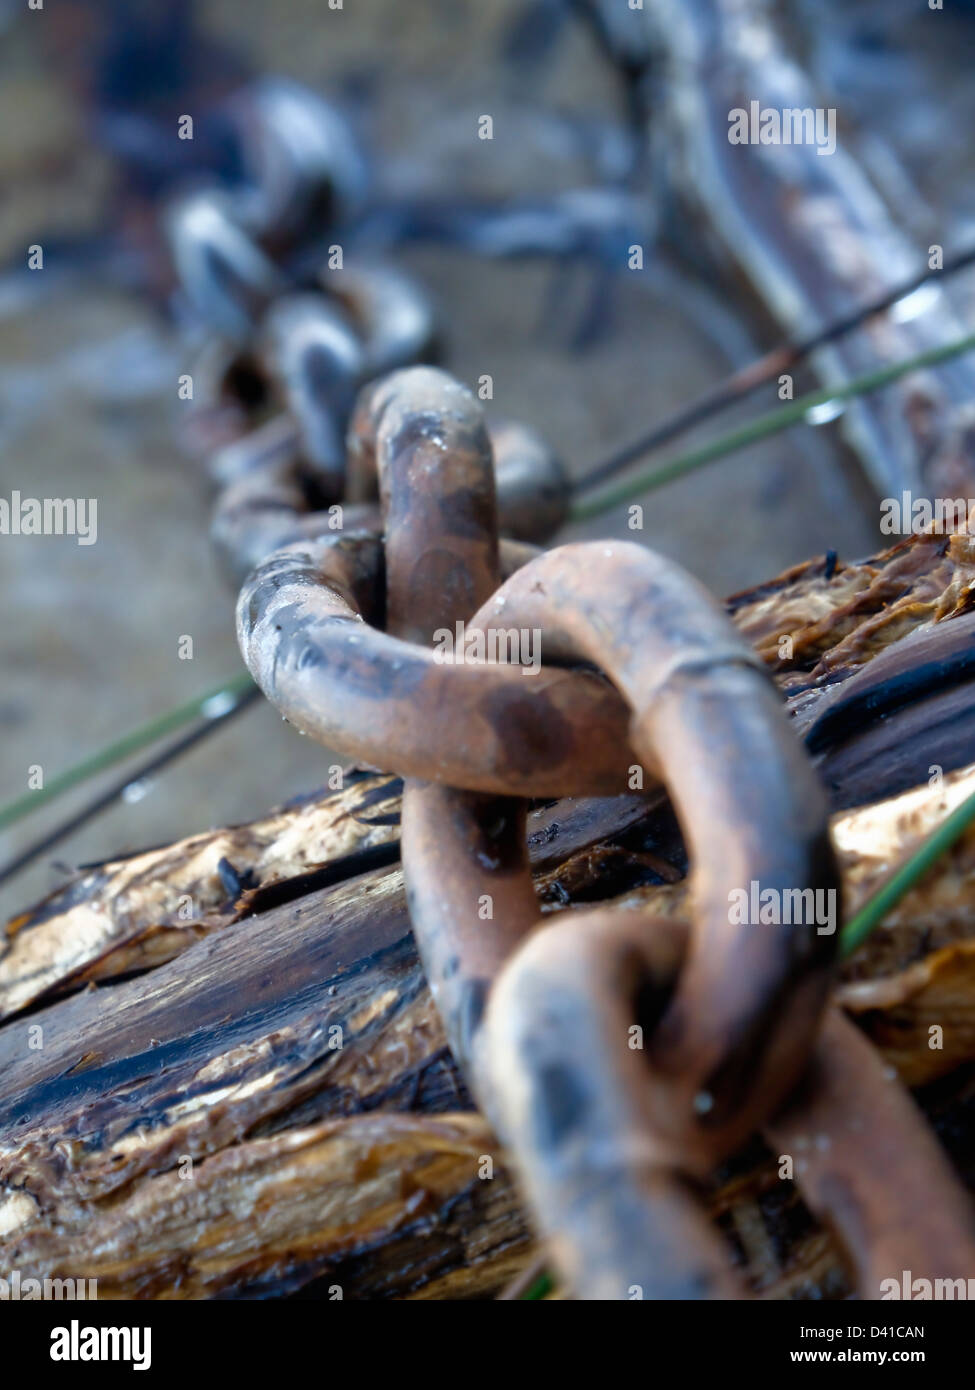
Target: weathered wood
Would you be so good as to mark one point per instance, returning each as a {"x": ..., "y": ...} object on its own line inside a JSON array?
[
  {"x": 353, "y": 1165},
  {"x": 195, "y": 1130},
  {"x": 810, "y": 234}
]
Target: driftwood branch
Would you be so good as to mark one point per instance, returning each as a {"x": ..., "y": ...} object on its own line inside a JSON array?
[{"x": 811, "y": 235}]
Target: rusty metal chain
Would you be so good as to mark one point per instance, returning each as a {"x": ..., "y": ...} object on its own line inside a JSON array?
[
  {"x": 641, "y": 669},
  {"x": 296, "y": 328}
]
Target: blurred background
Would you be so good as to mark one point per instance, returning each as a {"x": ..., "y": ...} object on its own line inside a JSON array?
[{"x": 520, "y": 243}]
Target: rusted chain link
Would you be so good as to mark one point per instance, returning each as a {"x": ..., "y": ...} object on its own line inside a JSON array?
[
  {"x": 869, "y": 1166},
  {"x": 528, "y": 480},
  {"x": 708, "y": 723},
  {"x": 367, "y": 551},
  {"x": 609, "y": 1140},
  {"x": 386, "y": 702},
  {"x": 618, "y": 1210},
  {"x": 299, "y": 336}
]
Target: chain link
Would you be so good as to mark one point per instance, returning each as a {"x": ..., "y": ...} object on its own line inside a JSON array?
[{"x": 370, "y": 515}]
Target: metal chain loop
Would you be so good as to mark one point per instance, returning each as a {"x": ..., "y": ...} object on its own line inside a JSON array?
[
  {"x": 296, "y": 339},
  {"x": 705, "y": 717},
  {"x": 361, "y": 554},
  {"x": 609, "y": 1140}
]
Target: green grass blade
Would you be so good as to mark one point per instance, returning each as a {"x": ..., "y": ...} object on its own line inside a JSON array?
[
  {"x": 116, "y": 752},
  {"x": 791, "y": 413}
]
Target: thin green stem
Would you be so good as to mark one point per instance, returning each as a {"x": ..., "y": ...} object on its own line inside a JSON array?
[
  {"x": 122, "y": 748},
  {"x": 905, "y": 878},
  {"x": 791, "y": 413},
  {"x": 543, "y": 1285}
]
